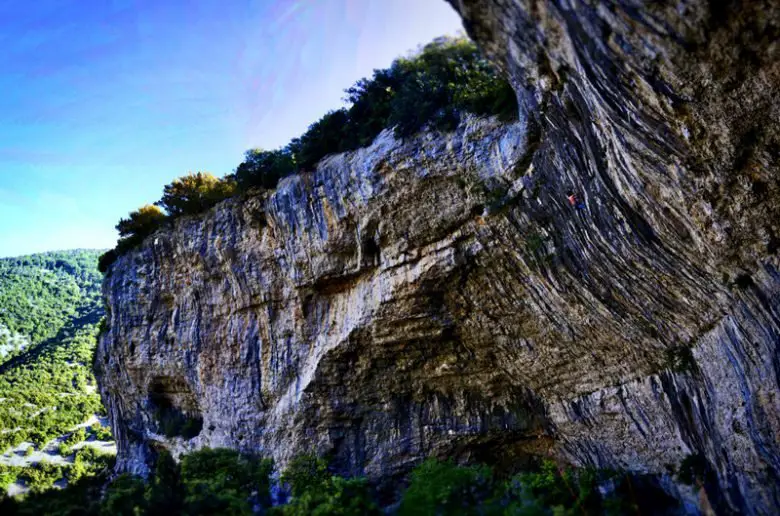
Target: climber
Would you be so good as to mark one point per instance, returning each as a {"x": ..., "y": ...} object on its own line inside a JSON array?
[{"x": 574, "y": 201}]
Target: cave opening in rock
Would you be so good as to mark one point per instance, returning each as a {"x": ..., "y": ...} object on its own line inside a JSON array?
[
  {"x": 371, "y": 252},
  {"x": 174, "y": 408}
]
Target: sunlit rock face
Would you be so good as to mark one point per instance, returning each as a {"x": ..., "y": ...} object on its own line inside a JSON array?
[{"x": 442, "y": 295}]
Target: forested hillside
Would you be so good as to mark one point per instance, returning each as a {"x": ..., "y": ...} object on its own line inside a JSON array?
[
  {"x": 50, "y": 412},
  {"x": 40, "y": 293}
]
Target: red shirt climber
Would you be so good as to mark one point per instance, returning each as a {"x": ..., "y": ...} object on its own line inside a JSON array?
[{"x": 573, "y": 200}]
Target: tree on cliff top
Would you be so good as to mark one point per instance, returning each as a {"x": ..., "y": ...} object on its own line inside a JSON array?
[
  {"x": 195, "y": 193},
  {"x": 141, "y": 222},
  {"x": 433, "y": 88}
]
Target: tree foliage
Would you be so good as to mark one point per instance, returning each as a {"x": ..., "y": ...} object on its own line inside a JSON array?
[
  {"x": 141, "y": 222},
  {"x": 264, "y": 168},
  {"x": 435, "y": 87},
  {"x": 195, "y": 193},
  {"x": 226, "y": 482},
  {"x": 51, "y": 303}
]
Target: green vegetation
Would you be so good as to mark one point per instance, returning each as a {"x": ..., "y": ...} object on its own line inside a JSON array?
[
  {"x": 47, "y": 388},
  {"x": 195, "y": 193},
  {"x": 316, "y": 491},
  {"x": 227, "y": 483},
  {"x": 40, "y": 293},
  {"x": 101, "y": 433},
  {"x": 42, "y": 476},
  {"x": 433, "y": 88},
  {"x": 47, "y": 395},
  {"x": 51, "y": 302}
]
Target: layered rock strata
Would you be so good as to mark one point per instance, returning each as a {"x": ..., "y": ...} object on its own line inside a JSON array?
[{"x": 442, "y": 296}]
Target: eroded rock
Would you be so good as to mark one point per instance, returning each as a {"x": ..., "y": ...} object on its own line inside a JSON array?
[{"x": 442, "y": 296}]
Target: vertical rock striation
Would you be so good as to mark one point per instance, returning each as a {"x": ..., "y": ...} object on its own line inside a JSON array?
[{"x": 441, "y": 295}]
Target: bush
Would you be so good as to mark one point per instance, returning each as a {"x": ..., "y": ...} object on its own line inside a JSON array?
[
  {"x": 124, "y": 497},
  {"x": 226, "y": 482},
  {"x": 221, "y": 481},
  {"x": 446, "y": 79},
  {"x": 195, "y": 193},
  {"x": 8, "y": 476},
  {"x": 165, "y": 494},
  {"x": 316, "y": 492},
  {"x": 444, "y": 488},
  {"x": 336, "y": 495},
  {"x": 141, "y": 222},
  {"x": 101, "y": 433},
  {"x": 264, "y": 168},
  {"x": 305, "y": 472},
  {"x": 76, "y": 437},
  {"x": 106, "y": 260}
]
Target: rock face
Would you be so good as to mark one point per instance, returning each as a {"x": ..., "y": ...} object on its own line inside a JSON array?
[{"x": 442, "y": 296}]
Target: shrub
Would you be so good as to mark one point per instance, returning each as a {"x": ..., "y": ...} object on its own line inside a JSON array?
[
  {"x": 553, "y": 488},
  {"x": 101, "y": 433},
  {"x": 336, "y": 495},
  {"x": 221, "y": 481},
  {"x": 316, "y": 492},
  {"x": 305, "y": 472},
  {"x": 195, "y": 193},
  {"x": 76, "y": 437},
  {"x": 124, "y": 497},
  {"x": 8, "y": 476},
  {"x": 106, "y": 260},
  {"x": 445, "y": 488},
  {"x": 141, "y": 222},
  {"x": 325, "y": 136},
  {"x": 165, "y": 494},
  {"x": 264, "y": 168}
]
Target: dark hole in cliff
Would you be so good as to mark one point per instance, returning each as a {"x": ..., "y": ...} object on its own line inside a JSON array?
[
  {"x": 132, "y": 348},
  {"x": 773, "y": 245},
  {"x": 744, "y": 281},
  {"x": 760, "y": 188},
  {"x": 371, "y": 252},
  {"x": 174, "y": 408}
]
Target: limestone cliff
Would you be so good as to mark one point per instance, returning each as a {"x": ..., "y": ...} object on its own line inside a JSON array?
[{"x": 440, "y": 295}]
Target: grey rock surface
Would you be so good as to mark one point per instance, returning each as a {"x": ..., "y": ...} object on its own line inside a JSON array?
[{"x": 440, "y": 295}]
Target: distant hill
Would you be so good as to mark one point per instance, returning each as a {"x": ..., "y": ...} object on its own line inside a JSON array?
[
  {"x": 50, "y": 310},
  {"x": 40, "y": 293}
]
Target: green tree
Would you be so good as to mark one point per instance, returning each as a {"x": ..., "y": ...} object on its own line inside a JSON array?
[
  {"x": 264, "y": 168},
  {"x": 323, "y": 137},
  {"x": 141, "y": 222},
  {"x": 222, "y": 481},
  {"x": 165, "y": 494},
  {"x": 445, "y": 488},
  {"x": 195, "y": 193},
  {"x": 124, "y": 497},
  {"x": 316, "y": 492}
]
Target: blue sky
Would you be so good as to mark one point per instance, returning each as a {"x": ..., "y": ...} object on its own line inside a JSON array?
[{"x": 104, "y": 102}]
